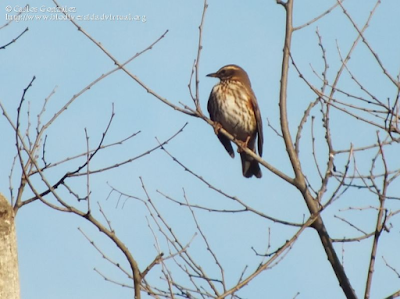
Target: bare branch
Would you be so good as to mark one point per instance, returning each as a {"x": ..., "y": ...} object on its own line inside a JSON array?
[
  {"x": 300, "y": 181},
  {"x": 15, "y": 39},
  {"x": 14, "y": 18},
  {"x": 391, "y": 268},
  {"x": 265, "y": 265},
  {"x": 317, "y": 18},
  {"x": 361, "y": 34},
  {"x": 380, "y": 222},
  {"x": 234, "y": 198},
  {"x": 199, "y": 48}
]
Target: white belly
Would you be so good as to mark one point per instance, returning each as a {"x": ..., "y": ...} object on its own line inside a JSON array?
[{"x": 234, "y": 114}]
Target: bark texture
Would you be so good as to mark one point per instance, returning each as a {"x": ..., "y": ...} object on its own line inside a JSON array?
[{"x": 9, "y": 277}]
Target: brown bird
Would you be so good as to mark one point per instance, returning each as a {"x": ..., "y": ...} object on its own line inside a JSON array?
[{"x": 233, "y": 106}]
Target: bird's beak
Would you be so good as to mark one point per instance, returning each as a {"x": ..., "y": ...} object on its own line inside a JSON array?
[{"x": 214, "y": 75}]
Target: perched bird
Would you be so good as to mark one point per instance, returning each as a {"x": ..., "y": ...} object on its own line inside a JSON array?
[{"x": 233, "y": 106}]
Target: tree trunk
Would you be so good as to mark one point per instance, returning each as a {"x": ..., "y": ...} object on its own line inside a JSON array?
[{"x": 9, "y": 278}]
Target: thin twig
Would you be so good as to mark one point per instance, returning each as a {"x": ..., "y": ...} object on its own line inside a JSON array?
[{"x": 14, "y": 39}]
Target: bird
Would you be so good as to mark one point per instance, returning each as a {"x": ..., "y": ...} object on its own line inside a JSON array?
[{"x": 233, "y": 106}]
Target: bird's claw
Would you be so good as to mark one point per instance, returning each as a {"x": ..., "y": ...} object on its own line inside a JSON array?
[
  {"x": 242, "y": 144},
  {"x": 217, "y": 127}
]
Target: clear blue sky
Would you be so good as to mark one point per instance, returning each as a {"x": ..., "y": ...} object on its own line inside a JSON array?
[{"x": 56, "y": 261}]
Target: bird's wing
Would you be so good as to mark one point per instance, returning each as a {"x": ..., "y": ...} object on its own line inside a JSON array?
[
  {"x": 225, "y": 141},
  {"x": 227, "y": 144},
  {"x": 257, "y": 113}
]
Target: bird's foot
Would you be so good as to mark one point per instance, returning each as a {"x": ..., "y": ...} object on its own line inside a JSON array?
[
  {"x": 217, "y": 127},
  {"x": 242, "y": 144}
]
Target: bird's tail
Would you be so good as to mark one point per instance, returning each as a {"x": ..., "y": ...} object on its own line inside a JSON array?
[{"x": 250, "y": 166}]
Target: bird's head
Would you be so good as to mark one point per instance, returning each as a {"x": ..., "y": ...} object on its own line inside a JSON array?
[{"x": 231, "y": 72}]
